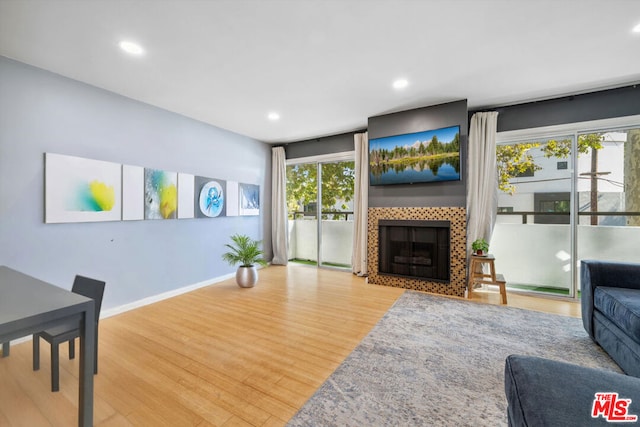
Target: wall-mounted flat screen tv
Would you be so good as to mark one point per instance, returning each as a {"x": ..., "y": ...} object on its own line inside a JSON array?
[{"x": 427, "y": 156}]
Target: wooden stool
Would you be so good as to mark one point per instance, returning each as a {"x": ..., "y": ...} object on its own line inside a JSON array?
[{"x": 477, "y": 275}]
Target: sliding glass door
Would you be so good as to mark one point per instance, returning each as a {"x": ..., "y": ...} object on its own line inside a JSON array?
[
  {"x": 532, "y": 239},
  {"x": 302, "y": 202},
  {"x": 321, "y": 236},
  {"x": 609, "y": 196},
  {"x": 336, "y": 227},
  {"x": 563, "y": 199}
]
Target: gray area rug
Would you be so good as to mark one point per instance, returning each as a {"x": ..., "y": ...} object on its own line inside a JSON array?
[{"x": 435, "y": 361}]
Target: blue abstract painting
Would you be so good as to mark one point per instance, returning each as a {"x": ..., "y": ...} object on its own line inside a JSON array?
[
  {"x": 210, "y": 197},
  {"x": 249, "y": 199}
]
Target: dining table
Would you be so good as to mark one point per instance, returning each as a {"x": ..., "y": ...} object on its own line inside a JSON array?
[{"x": 29, "y": 305}]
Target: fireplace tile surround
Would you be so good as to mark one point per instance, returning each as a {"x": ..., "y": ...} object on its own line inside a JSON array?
[{"x": 458, "y": 246}]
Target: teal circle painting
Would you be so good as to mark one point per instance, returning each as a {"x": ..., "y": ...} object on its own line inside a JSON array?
[{"x": 211, "y": 199}]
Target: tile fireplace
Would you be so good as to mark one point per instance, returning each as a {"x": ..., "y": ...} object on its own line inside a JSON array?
[{"x": 418, "y": 248}]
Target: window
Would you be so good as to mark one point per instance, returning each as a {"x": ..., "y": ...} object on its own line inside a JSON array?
[
  {"x": 527, "y": 172},
  {"x": 547, "y": 203}
]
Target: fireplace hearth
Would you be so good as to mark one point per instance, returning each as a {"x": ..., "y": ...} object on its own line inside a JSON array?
[{"x": 415, "y": 249}]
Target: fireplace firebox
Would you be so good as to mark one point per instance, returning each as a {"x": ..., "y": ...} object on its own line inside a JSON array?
[{"x": 416, "y": 249}]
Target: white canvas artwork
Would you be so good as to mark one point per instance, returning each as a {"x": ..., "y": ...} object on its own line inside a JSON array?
[
  {"x": 81, "y": 190},
  {"x": 185, "y": 195},
  {"x": 232, "y": 199},
  {"x": 132, "y": 192}
]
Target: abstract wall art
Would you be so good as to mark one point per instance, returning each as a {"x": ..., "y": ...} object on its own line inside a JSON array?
[
  {"x": 86, "y": 190},
  {"x": 81, "y": 190},
  {"x": 249, "y": 199},
  {"x": 160, "y": 194},
  {"x": 210, "y": 195}
]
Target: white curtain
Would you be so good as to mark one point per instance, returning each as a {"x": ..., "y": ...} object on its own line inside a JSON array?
[
  {"x": 360, "y": 205},
  {"x": 482, "y": 181},
  {"x": 279, "y": 223}
]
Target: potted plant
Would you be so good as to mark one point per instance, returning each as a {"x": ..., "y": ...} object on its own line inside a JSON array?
[
  {"x": 480, "y": 247},
  {"x": 246, "y": 252}
]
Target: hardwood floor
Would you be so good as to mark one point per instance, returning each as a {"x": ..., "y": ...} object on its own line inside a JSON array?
[
  {"x": 219, "y": 355},
  {"x": 555, "y": 305}
]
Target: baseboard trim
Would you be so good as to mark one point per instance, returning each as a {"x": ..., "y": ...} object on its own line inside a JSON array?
[
  {"x": 149, "y": 300},
  {"x": 165, "y": 295}
]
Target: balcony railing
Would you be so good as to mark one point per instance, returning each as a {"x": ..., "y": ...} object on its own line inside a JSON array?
[
  {"x": 528, "y": 254},
  {"x": 325, "y": 214},
  {"x": 526, "y": 214},
  {"x": 337, "y": 238},
  {"x": 539, "y": 255}
]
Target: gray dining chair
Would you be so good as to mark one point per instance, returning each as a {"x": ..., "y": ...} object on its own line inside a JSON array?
[{"x": 89, "y": 288}]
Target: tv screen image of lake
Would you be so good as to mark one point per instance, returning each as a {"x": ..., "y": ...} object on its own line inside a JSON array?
[{"x": 428, "y": 156}]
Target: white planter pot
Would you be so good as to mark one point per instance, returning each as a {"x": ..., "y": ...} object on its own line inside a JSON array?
[{"x": 247, "y": 277}]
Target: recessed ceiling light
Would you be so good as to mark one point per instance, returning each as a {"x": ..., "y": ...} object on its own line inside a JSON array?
[
  {"x": 400, "y": 84},
  {"x": 273, "y": 116},
  {"x": 636, "y": 29},
  {"x": 131, "y": 47}
]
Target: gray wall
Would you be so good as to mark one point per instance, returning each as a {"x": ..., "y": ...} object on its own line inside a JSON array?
[
  {"x": 619, "y": 102},
  {"x": 438, "y": 194},
  {"x": 318, "y": 146},
  {"x": 44, "y": 112}
]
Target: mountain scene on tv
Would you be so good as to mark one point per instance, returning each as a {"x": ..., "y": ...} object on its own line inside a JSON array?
[{"x": 429, "y": 156}]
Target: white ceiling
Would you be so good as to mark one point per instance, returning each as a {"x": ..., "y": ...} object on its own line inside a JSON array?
[{"x": 326, "y": 66}]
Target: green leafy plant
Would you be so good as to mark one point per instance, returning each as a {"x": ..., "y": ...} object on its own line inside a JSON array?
[
  {"x": 480, "y": 245},
  {"x": 244, "y": 251}
]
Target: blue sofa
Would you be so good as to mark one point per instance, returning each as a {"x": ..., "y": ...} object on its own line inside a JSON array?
[
  {"x": 611, "y": 310},
  {"x": 543, "y": 392}
]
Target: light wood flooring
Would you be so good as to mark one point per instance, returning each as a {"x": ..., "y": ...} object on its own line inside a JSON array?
[{"x": 217, "y": 356}]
